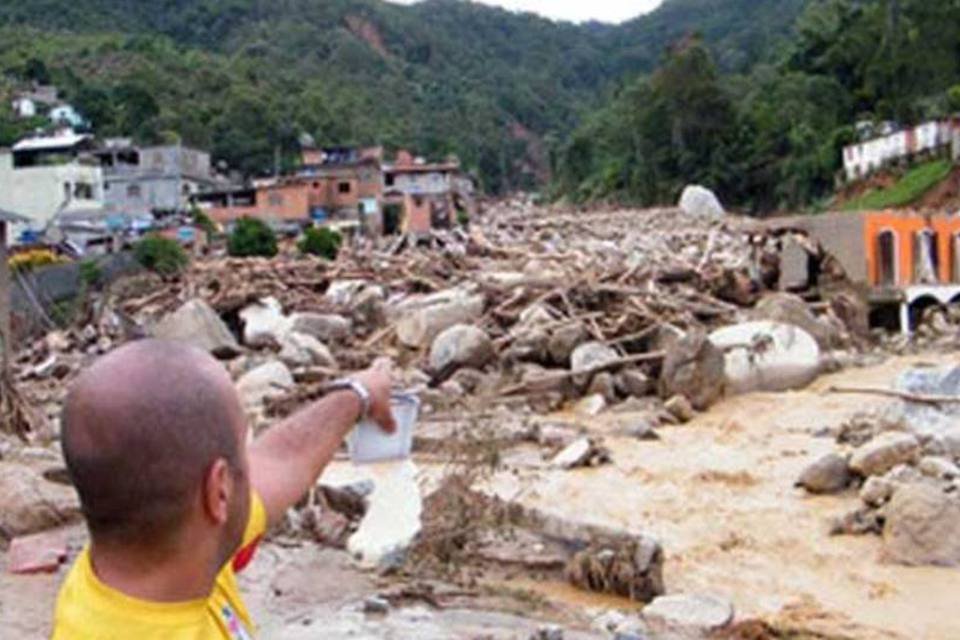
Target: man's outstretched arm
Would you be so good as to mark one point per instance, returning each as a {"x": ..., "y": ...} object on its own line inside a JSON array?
[{"x": 287, "y": 460}]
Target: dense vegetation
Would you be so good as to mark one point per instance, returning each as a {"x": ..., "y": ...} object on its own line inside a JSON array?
[
  {"x": 753, "y": 98},
  {"x": 770, "y": 138},
  {"x": 246, "y": 77}
]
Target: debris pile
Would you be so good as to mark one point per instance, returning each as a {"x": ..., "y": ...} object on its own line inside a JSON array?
[{"x": 908, "y": 487}]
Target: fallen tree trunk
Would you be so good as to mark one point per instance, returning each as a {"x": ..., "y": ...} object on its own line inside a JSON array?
[{"x": 900, "y": 395}]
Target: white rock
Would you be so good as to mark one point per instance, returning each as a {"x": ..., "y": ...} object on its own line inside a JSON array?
[
  {"x": 574, "y": 455},
  {"x": 767, "y": 356},
  {"x": 264, "y": 322},
  {"x": 591, "y": 406},
  {"x": 418, "y": 327},
  {"x": 268, "y": 380},
  {"x": 197, "y": 324},
  {"x": 461, "y": 346},
  {"x": 301, "y": 350},
  {"x": 689, "y": 613},
  {"x": 323, "y": 327},
  {"x": 590, "y": 355},
  {"x": 701, "y": 202}
]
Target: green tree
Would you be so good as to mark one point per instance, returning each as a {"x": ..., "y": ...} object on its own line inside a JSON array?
[
  {"x": 161, "y": 255},
  {"x": 323, "y": 242},
  {"x": 252, "y": 237}
]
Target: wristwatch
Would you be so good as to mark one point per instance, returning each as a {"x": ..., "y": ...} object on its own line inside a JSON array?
[{"x": 349, "y": 384}]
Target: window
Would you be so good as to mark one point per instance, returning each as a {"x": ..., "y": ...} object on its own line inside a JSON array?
[
  {"x": 275, "y": 199},
  {"x": 886, "y": 258},
  {"x": 67, "y": 191},
  {"x": 390, "y": 179},
  {"x": 83, "y": 191},
  {"x": 926, "y": 257},
  {"x": 343, "y": 187},
  {"x": 133, "y": 191},
  {"x": 316, "y": 185}
]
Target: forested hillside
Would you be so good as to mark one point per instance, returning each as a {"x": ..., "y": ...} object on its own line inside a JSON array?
[
  {"x": 246, "y": 77},
  {"x": 770, "y": 138}
]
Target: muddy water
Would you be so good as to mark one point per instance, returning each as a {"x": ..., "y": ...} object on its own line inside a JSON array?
[{"x": 718, "y": 493}]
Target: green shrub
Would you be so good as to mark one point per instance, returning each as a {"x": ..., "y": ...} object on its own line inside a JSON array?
[
  {"x": 252, "y": 237},
  {"x": 161, "y": 255},
  {"x": 463, "y": 218},
  {"x": 91, "y": 275},
  {"x": 203, "y": 221},
  {"x": 321, "y": 242}
]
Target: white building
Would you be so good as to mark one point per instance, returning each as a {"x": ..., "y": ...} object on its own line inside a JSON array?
[
  {"x": 65, "y": 115},
  {"x": 24, "y": 108},
  {"x": 860, "y": 160},
  {"x": 45, "y": 176}
]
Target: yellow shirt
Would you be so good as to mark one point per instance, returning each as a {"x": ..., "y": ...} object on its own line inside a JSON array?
[{"x": 87, "y": 609}]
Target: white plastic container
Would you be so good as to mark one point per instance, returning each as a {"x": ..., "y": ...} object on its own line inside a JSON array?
[{"x": 368, "y": 443}]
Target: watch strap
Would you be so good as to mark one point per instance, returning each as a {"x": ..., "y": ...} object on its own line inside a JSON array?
[{"x": 349, "y": 384}]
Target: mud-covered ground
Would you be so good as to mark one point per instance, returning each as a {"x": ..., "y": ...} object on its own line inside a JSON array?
[{"x": 718, "y": 493}]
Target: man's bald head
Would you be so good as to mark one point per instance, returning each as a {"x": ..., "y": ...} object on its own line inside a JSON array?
[{"x": 141, "y": 427}]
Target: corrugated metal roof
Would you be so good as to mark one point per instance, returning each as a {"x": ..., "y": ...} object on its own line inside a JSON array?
[
  {"x": 64, "y": 139},
  {"x": 11, "y": 217}
]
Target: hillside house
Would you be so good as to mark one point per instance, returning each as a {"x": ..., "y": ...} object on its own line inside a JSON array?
[
  {"x": 43, "y": 176},
  {"x": 24, "y": 108},
  {"x": 153, "y": 180},
  {"x": 344, "y": 185},
  {"x": 419, "y": 196},
  {"x": 64, "y": 115},
  {"x": 864, "y": 158}
]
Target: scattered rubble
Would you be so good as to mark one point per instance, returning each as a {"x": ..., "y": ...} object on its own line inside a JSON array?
[{"x": 654, "y": 314}]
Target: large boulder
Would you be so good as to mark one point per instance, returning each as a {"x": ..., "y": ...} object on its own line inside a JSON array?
[
  {"x": 197, "y": 324},
  {"x": 301, "y": 350},
  {"x": 883, "y": 453},
  {"x": 324, "y": 327},
  {"x": 268, "y": 380},
  {"x": 688, "y": 614},
  {"x": 701, "y": 202},
  {"x": 417, "y": 327},
  {"x": 922, "y": 525},
  {"x": 29, "y": 503},
  {"x": 264, "y": 323},
  {"x": 829, "y": 474},
  {"x": 786, "y": 308},
  {"x": 767, "y": 356},
  {"x": 693, "y": 367},
  {"x": 461, "y": 346}
]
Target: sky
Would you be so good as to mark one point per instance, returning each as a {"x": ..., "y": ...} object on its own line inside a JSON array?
[{"x": 575, "y": 10}]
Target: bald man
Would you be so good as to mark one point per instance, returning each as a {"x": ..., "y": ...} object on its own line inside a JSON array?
[{"x": 155, "y": 439}]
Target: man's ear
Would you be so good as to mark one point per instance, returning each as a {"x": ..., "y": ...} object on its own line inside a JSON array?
[{"x": 218, "y": 491}]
